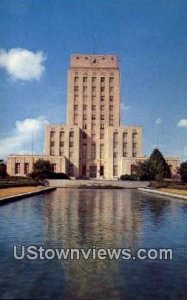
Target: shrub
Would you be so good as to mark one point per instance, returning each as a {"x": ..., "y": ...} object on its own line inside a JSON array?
[
  {"x": 3, "y": 172},
  {"x": 58, "y": 176},
  {"x": 129, "y": 177},
  {"x": 41, "y": 170}
]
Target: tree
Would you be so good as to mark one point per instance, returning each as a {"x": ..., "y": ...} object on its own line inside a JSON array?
[
  {"x": 183, "y": 171},
  {"x": 41, "y": 170},
  {"x": 155, "y": 168},
  {"x": 146, "y": 170},
  {"x": 160, "y": 164},
  {"x": 3, "y": 172}
]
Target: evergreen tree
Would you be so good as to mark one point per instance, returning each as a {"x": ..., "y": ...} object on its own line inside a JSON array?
[
  {"x": 155, "y": 168},
  {"x": 160, "y": 164},
  {"x": 183, "y": 171}
]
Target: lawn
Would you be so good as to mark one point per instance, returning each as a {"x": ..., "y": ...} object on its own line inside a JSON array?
[
  {"x": 174, "y": 191},
  {"x": 12, "y": 191}
]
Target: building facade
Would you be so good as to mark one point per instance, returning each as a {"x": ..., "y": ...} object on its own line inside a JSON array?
[{"x": 92, "y": 144}]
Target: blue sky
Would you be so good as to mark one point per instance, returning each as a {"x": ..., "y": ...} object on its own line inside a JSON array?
[{"x": 148, "y": 36}]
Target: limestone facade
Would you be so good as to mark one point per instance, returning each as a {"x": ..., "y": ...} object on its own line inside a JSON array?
[{"x": 92, "y": 144}]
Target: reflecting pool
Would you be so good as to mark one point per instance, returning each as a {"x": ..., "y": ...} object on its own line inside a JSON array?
[{"x": 70, "y": 218}]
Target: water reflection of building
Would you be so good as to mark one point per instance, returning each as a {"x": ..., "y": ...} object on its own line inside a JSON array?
[{"x": 87, "y": 218}]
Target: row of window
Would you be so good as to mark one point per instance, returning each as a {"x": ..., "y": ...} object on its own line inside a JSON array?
[
  {"x": 27, "y": 168},
  {"x": 61, "y": 134},
  {"x": 93, "y": 89},
  {"x": 93, "y": 107},
  {"x": 93, "y": 79},
  {"x": 93, "y": 151},
  {"x": 93, "y": 99}
]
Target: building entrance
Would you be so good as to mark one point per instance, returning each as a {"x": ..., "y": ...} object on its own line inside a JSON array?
[{"x": 93, "y": 171}]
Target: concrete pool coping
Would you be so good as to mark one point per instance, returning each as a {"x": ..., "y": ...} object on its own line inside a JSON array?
[
  {"x": 8, "y": 199},
  {"x": 97, "y": 184},
  {"x": 161, "y": 193}
]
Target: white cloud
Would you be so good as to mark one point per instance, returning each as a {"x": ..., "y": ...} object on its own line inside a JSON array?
[
  {"x": 125, "y": 107},
  {"x": 21, "y": 137},
  {"x": 158, "y": 121},
  {"x": 22, "y": 64},
  {"x": 182, "y": 123}
]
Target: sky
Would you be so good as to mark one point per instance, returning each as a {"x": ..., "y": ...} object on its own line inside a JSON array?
[{"x": 36, "y": 41}]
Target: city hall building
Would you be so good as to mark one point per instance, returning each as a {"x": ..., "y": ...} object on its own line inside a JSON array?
[{"x": 93, "y": 143}]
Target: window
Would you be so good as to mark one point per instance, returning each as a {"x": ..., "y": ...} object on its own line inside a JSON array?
[
  {"x": 102, "y": 136},
  {"x": 111, "y": 80},
  {"x": 84, "y": 89},
  {"x": 102, "y": 107},
  {"x": 85, "y": 79},
  {"x": 124, "y": 145},
  {"x": 134, "y": 135},
  {"x": 125, "y": 136},
  {"x": 52, "y": 144},
  {"x": 52, "y": 134},
  {"x": 84, "y": 126},
  {"x": 115, "y": 145},
  {"x": 76, "y": 99},
  {"x": 111, "y": 90},
  {"x": 84, "y": 107},
  {"x": 61, "y": 144},
  {"x": 111, "y": 98},
  {"x": 75, "y": 119},
  {"x": 115, "y": 170},
  {"x": 52, "y": 152},
  {"x": 84, "y": 98},
  {"x": 102, "y": 79},
  {"x": 17, "y": 168},
  {"x": 134, "y": 145},
  {"x": 102, "y": 117},
  {"x": 84, "y": 135},
  {"x": 93, "y": 117},
  {"x": 102, "y": 126},
  {"x": 93, "y": 98},
  {"x": 134, "y": 154},
  {"x": 93, "y": 136},
  {"x": 76, "y": 107},
  {"x": 115, "y": 154},
  {"x": 26, "y": 168},
  {"x": 71, "y": 134},
  {"x": 76, "y": 79},
  {"x": 102, "y": 88},
  {"x": 93, "y": 151},
  {"x": 102, "y": 98},
  {"x": 102, "y": 151},
  {"x": 84, "y": 117},
  {"x": 93, "y": 90},
  {"x": 111, "y": 107},
  {"x": 93, "y": 80},
  {"x": 71, "y": 144},
  {"x": 93, "y": 125},
  {"x": 93, "y": 107},
  {"x": 111, "y": 117},
  {"x": 71, "y": 170},
  {"x": 61, "y": 135},
  {"x": 76, "y": 88},
  {"x": 61, "y": 152},
  {"x": 84, "y": 170},
  {"x": 53, "y": 167},
  {"x": 124, "y": 154},
  {"x": 84, "y": 151},
  {"x": 115, "y": 136}
]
